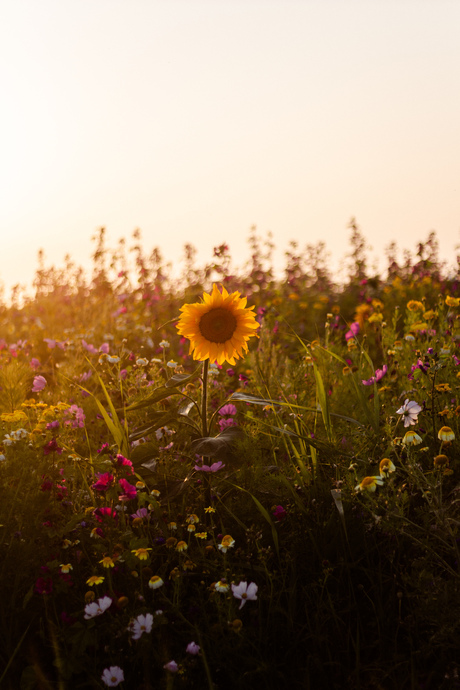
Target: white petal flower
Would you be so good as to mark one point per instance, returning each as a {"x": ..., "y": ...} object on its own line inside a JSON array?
[{"x": 245, "y": 592}]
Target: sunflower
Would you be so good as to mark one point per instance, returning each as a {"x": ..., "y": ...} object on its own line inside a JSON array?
[{"x": 218, "y": 327}]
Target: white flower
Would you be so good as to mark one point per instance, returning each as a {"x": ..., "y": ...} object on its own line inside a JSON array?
[
  {"x": 164, "y": 343},
  {"x": 141, "y": 624},
  {"x": 142, "y": 362},
  {"x": 410, "y": 411},
  {"x": 245, "y": 592},
  {"x": 112, "y": 676},
  {"x": 96, "y": 608}
]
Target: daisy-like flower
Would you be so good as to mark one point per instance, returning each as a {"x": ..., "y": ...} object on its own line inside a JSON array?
[
  {"x": 201, "y": 535},
  {"x": 219, "y": 327},
  {"x": 97, "y": 608},
  {"x": 142, "y": 554},
  {"x": 452, "y": 301},
  {"x": 140, "y": 625},
  {"x": 385, "y": 467},
  {"x": 440, "y": 461},
  {"x": 181, "y": 546},
  {"x": 107, "y": 562},
  {"x": 222, "y": 586},
  {"x": 155, "y": 582},
  {"x": 227, "y": 543},
  {"x": 192, "y": 519},
  {"x": 95, "y": 580},
  {"x": 411, "y": 438},
  {"x": 112, "y": 676},
  {"x": 445, "y": 434},
  {"x": 245, "y": 592},
  {"x": 210, "y": 509},
  {"x": 410, "y": 411},
  {"x": 369, "y": 484},
  {"x": 66, "y": 567}
]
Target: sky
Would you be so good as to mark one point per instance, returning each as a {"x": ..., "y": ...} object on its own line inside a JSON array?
[{"x": 194, "y": 120}]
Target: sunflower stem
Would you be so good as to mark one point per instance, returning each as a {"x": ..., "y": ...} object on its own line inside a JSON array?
[{"x": 204, "y": 400}]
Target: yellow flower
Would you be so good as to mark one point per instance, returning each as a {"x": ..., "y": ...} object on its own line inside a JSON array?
[
  {"x": 415, "y": 305},
  {"x": 170, "y": 542},
  {"x": 192, "y": 519},
  {"x": 107, "y": 562},
  {"x": 210, "y": 509},
  {"x": 155, "y": 582},
  {"x": 385, "y": 467},
  {"x": 443, "y": 388},
  {"x": 430, "y": 314},
  {"x": 376, "y": 317},
  {"x": 201, "y": 535},
  {"x": 142, "y": 554},
  {"x": 369, "y": 484},
  {"x": 172, "y": 525},
  {"x": 17, "y": 416},
  {"x": 452, "y": 301},
  {"x": 181, "y": 546},
  {"x": 95, "y": 580},
  {"x": 218, "y": 327},
  {"x": 191, "y": 528},
  {"x": 411, "y": 438},
  {"x": 446, "y": 434}
]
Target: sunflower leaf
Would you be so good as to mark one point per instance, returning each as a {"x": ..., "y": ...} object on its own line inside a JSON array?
[{"x": 220, "y": 446}]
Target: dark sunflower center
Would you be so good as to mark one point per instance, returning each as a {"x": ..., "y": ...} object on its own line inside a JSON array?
[{"x": 218, "y": 325}]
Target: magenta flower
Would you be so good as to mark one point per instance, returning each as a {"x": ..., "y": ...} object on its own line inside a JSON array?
[
  {"x": 354, "y": 330},
  {"x": 226, "y": 423},
  {"x": 104, "y": 481},
  {"x": 215, "y": 467},
  {"x": 279, "y": 513},
  {"x": 35, "y": 363},
  {"x": 39, "y": 384},
  {"x": 89, "y": 348},
  {"x": 129, "y": 491}
]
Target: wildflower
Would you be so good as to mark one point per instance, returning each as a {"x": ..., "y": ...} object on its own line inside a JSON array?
[
  {"x": 215, "y": 467},
  {"x": 89, "y": 597},
  {"x": 155, "y": 582},
  {"x": 107, "y": 562},
  {"x": 410, "y": 411},
  {"x": 201, "y": 535},
  {"x": 218, "y": 327},
  {"x": 66, "y": 567},
  {"x": 170, "y": 542},
  {"x": 39, "y": 384},
  {"x": 222, "y": 586},
  {"x": 443, "y": 388},
  {"x": 191, "y": 528},
  {"x": 411, "y": 438},
  {"x": 445, "y": 434},
  {"x": 369, "y": 484},
  {"x": 104, "y": 481},
  {"x": 452, "y": 301},
  {"x": 155, "y": 493},
  {"x": 172, "y": 526},
  {"x": 415, "y": 305},
  {"x": 385, "y": 467},
  {"x": 354, "y": 330},
  {"x": 171, "y": 364},
  {"x": 112, "y": 676},
  {"x": 192, "y": 519},
  {"x": 236, "y": 625},
  {"x": 97, "y": 608},
  {"x": 164, "y": 344},
  {"x": 279, "y": 513},
  {"x": 245, "y": 592},
  {"x": 181, "y": 546},
  {"x": 142, "y": 362},
  {"x": 440, "y": 461},
  {"x": 227, "y": 542},
  {"x": 142, "y": 554},
  {"x": 193, "y": 648},
  {"x": 228, "y": 409},
  {"x": 129, "y": 491},
  {"x": 379, "y": 374},
  {"x": 95, "y": 580},
  {"x": 140, "y": 625},
  {"x": 171, "y": 666},
  {"x": 210, "y": 509}
]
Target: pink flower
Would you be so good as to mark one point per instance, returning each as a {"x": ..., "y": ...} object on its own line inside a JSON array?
[
  {"x": 228, "y": 409},
  {"x": 171, "y": 666},
  {"x": 245, "y": 592},
  {"x": 410, "y": 411},
  {"x": 104, "y": 481},
  {"x": 379, "y": 374},
  {"x": 193, "y": 648},
  {"x": 35, "y": 363},
  {"x": 279, "y": 513},
  {"x": 215, "y": 467},
  {"x": 226, "y": 423},
  {"x": 39, "y": 384},
  {"x": 89, "y": 348},
  {"x": 50, "y": 342},
  {"x": 354, "y": 330},
  {"x": 104, "y": 348}
]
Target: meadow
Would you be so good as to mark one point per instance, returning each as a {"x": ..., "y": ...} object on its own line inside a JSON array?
[{"x": 199, "y": 491}]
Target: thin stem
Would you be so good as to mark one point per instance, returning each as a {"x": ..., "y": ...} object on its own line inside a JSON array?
[{"x": 204, "y": 399}]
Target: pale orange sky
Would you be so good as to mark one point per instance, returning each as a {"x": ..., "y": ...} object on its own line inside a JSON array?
[{"x": 195, "y": 119}]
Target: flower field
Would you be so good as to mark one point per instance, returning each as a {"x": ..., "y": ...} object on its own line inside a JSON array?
[{"x": 231, "y": 479}]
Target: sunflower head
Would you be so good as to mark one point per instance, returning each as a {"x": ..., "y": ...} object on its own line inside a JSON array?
[{"x": 218, "y": 327}]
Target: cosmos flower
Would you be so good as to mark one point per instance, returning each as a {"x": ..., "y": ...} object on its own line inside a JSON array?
[
  {"x": 39, "y": 384},
  {"x": 219, "y": 327},
  {"x": 112, "y": 676},
  {"x": 379, "y": 374},
  {"x": 410, "y": 411},
  {"x": 97, "y": 608},
  {"x": 140, "y": 625},
  {"x": 245, "y": 592}
]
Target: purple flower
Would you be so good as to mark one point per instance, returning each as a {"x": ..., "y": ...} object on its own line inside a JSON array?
[
  {"x": 215, "y": 467},
  {"x": 39, "y": 384},
  {"x": 279, "y": 513}
]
